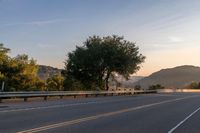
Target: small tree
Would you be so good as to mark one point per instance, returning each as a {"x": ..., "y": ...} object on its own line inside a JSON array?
[
  {"x": 24, "y": 77},
  {"x": 18, "y": 73},
  {"x": 137, "y": 87},
  {"x": 194, "y": 85}
]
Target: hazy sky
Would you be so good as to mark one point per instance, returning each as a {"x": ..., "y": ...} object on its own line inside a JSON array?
[{"x": 166, "y": 31}]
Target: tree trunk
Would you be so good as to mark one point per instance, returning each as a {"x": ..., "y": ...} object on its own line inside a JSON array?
[{"x": 106, "y": 80}]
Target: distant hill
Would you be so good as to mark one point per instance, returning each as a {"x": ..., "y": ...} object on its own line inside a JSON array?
[
  {"x": 130, "y": 81},
  {"x": 177, "y": 77},
  {"x": 45, "y": 72},
  {"x": 126, "y": 83}
]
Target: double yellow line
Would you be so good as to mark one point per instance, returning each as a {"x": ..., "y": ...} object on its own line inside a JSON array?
[{"x": 76, "y": 121}]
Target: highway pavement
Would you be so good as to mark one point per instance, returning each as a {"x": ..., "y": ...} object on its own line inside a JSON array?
[{"x": 146, "y": 113}]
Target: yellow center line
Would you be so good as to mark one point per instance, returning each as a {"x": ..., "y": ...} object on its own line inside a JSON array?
[{"x": 76, "y": 121}]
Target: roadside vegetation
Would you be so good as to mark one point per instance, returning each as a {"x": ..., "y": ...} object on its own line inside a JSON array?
[
  {"x": 88, "y": 67},
  {"x": 156, "y": 87},
  {"x": 20, "y": 74},
  {"x": 194, "y": 85},
  {"x": 92, "y": 65}
]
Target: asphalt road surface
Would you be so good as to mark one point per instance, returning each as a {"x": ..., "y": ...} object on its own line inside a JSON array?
[{"x": 147, "y": 113}]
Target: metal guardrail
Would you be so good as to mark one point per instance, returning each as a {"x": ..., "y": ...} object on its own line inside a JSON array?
[{"x": 61, "y": 94}]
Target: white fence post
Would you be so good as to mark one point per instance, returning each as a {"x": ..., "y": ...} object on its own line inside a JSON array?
[{"x": 2, "y": 87}]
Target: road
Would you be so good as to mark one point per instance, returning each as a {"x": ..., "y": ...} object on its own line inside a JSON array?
[{"x": 147, "y": 113}]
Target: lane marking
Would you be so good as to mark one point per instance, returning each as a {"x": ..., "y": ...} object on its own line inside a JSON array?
[
  {"x": 47, "y": 107},
  {"x": 165, "y": 95},
  {"x": 180, "y": 123},
  {"x": 69, "y": 105},
  {"x": 76, "y": 121},
  {"x": 65, "y": 105}
]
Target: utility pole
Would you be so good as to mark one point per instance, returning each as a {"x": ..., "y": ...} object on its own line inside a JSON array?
[{"x": 2, "y": 87}]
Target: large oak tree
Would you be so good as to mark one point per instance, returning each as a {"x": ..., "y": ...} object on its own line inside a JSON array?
[{"x": 99, "y": 58}]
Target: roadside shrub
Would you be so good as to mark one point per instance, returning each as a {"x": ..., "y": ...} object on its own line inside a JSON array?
[{"x": 155, "y": 87}]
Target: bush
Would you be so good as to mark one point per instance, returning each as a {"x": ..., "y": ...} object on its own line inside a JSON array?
[
  {"x": 155, "y": 87},
  {"x": 194, "y": 85},
  {"x": 137, "y": 87}
]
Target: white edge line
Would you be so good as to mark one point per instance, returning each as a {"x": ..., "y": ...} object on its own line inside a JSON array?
[
  {"x": 63, "y": 105},
  {"x": 180, "y": 123}
]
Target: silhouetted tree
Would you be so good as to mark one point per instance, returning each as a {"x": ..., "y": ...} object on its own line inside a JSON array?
[{"x": 99, "y": 58}]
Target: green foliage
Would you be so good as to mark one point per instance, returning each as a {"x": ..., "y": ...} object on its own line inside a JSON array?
[
  {"x": 22, "y": 74},
  {"x": 194, "y": 85},
  {"x": 18, "y": 73},
  {"x": 55, "y": 83},
  {"x": 155, "y": 87},
  {"x": 94, "y": 63},
  {"x": 73, "y": 85},
  {"x": 137, "y": 87},
  {"x": 3, "y": 53},
  {"x": 4, "y": 59},
  {"x": 40, "y": 85}
]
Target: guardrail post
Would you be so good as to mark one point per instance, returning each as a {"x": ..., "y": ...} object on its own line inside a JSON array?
[
  {"x": 45, "y": 98},
  {"x": 2, "y": 87},
  {"x": 25, "y": 99}
]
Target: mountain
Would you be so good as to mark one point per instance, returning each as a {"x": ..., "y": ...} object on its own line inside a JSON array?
[
  {"x": 130, "y": 81},
  {"x": 45, "y": 72},
  {"x": 125, "y": 83},
  {"x": 177, "y": 77}
]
